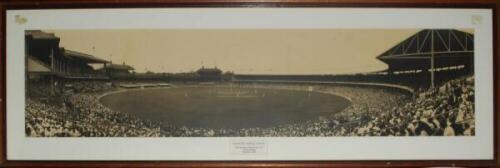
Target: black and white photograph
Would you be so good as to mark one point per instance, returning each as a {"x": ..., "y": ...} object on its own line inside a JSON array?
[{"x": 249, "y": 82}]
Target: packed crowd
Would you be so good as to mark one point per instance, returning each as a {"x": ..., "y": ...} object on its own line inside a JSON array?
[
  {"x": 82, "y": 115},
  {"x": 89, "y": 87},
  {"x": 446, "y": 110},
  {"x": 37, "y": 89}
]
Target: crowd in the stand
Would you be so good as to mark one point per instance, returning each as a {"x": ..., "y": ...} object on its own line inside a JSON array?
[
  {"x": 89, "y": 87},
  {"x": 82, "y": 115},
  {"x": 445, "y": 110}
]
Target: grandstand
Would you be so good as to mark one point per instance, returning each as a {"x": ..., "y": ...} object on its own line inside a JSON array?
[
  {"x": 431, "y": 57},
  {"x": 209, "y": 74},
  {"x": 53, "y": 66},
  {"x": 427, "y": 58},
  {"x": 117, "y": 70}
]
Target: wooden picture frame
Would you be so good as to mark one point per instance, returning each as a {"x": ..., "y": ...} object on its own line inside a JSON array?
[{"x": 104, "y": 4}]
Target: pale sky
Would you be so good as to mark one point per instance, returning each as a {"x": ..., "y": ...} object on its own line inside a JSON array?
[{"x": 260, "y": 51}]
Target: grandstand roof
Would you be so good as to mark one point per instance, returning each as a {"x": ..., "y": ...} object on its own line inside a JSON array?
[
  {"x": 447, "y": 42},
  {"x": 38, "y": 34},
  {"x": 209, "y": 70},
  {"x": 119, "y": 67},
  {"x": 83, "y": 57}
]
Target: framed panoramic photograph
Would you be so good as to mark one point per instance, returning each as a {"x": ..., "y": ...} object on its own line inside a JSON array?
[{"x": 243, "y": 83}]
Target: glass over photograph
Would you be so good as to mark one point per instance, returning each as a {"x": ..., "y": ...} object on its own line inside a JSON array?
[{"x": 249, "y": 82}]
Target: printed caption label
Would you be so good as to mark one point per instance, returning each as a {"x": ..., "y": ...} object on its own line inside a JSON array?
[{"x": 249, "y": 147}]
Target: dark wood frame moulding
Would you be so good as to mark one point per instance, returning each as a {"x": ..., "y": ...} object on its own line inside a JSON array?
[{"x": 65, "y": 4}]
